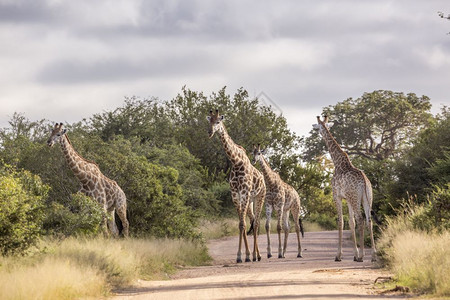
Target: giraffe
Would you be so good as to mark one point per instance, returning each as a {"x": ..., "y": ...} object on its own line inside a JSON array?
[
  {"x": 93, "y": 183},
  {"x": 246, "y": 183},
  {"x": 351, "y": 184},
  {"x": 284, "y": 199}
]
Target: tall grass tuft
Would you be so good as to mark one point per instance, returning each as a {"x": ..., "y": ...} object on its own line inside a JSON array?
[
  {"x": 77, "y": 268},
  {"x": 51, "y": 279},
  {"x": 419, "y": 259},
  {"x": 422, "y": 261}
]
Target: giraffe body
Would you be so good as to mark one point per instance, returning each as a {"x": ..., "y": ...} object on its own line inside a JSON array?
[
  {"x": 282, "y": 198},
  {"x": 246, "y": 184},
  {"x": 352, "y": 184},
  {"x": 93, "y": 183}
]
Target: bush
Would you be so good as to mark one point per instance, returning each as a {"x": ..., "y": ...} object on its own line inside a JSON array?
[
  {"x": 82, "y": 216},
  {"x": 21, "y": 210},
  {"x": 155, "y": 203},
  {"x": 324, "y": 221}
]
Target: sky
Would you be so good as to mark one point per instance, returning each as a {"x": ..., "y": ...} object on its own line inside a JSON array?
[{"x": 67, "y": 60}]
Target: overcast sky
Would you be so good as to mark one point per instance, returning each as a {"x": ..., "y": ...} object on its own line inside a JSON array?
[{"x": 66, "y": 60}]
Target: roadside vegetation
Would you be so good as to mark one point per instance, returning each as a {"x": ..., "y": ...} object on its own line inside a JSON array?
[
  {"x": 175, "y": 179},
  {"x": 91, "y": 267}
]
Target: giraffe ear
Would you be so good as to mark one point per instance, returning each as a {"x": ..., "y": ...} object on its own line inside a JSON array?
[
  {"x": 264, "y": 151},
  {"x": 222, "y": 117},
  {"x": 208, "y": 118},
  {"x": 330, "y": 124},
  {"x": 316, "y": 126},
  {"x": 64, "y": 131}
]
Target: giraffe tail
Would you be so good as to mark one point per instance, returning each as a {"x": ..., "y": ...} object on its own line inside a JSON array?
[
  {"x": 250, "y": 231},
  {"x": 375, "y": 217},
  {"x": 301, "y": 226}
]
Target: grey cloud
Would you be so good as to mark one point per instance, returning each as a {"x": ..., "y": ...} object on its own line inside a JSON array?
[
  {"x": 27, "y": 12},
  {"x": 121, "y": 69}
]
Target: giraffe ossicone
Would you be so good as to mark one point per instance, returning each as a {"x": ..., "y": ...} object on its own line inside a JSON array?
[
  {"x": 352, "y": 184},
  {"x": 93, "y": 183},
  {"x": 246, "y": 184}
]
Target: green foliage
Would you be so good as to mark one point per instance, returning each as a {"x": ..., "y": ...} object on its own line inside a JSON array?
[
  {"x": 375, "y": 130},
  {"x": 81, "y": 216},
  {"x": 154, "y": 197},
  {"x": 21, "y": 210},
  {"x": 222, "y": 192},
  {"x": 246, "y": 120},
  {"x": 144, "y": 119},
  {"x": 426, "y": 163},
  {"x": 376, "y": 126},
  {"x": 172, "y": 173},
  {"x": 192, "y": 176},
  {"x": 434, "y": 215}
]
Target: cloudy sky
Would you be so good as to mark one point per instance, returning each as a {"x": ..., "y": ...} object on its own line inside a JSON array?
[{"x": 65, "y": 60}]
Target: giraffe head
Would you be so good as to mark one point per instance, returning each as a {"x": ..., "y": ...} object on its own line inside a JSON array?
[
  {"x": 56, "y": 135},
  {"x": 258, "y": 153},
  {"x": 322, "y": 125},
  {"x": 215, "y": 122}
]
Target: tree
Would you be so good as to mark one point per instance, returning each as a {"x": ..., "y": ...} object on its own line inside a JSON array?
[
  {"x": 247, "y": 121},
  {"x": 22, "y": 196},
  {"x": 142, "y": 118},
  {"x": 377, "y": 126},
  {"x": 375, "y": 130},
  {"x": 155, "y": 203},
  {"x": 426, "y": 163}
]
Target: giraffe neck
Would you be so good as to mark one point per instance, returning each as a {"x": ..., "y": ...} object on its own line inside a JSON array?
[
  {"x": 234, "y": 152},
  {"x": 340, "y": 159},
  {"x": 76, "y": 163},
  {"x": 268, "y": 173}
]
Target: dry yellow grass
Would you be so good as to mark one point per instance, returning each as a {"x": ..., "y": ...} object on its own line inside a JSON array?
[
  {"x": 82, "y": 268},
  {"x": 422, "y": 261},
  {"x": 52, "y": 279}
]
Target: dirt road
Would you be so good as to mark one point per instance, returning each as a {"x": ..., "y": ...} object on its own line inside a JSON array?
[{"x": 315, "y": 276}]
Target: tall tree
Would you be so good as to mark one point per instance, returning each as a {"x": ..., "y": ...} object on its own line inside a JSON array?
[{"x": 376, "y": 126}]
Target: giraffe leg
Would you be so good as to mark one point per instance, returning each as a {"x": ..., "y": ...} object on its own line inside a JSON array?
[
  {"x": 268, "y": 217},
  {"x": 122, "y": 213},
  {"x": 279, "y": 228},
  {"x": 242, "y": 229},
  {"x": 285, "y": 221},
  {"x": 372, "y": 240},
  {"x": 106, "y": 232},
  {"x": 251, "y": 216},
  {"x": 112, "y": 223},
  {"x": 368, "y": 211},
  {"x": 296, "y": 216},
  {"x": 259, "y": 201},
  {"x": 351, "y": 221},
  {"x": 338, "y": 202},
  {"x": 360, "y": 224}
]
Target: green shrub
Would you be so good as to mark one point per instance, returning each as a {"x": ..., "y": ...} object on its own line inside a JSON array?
[
  {"x": 21, "y": 210},
  {"x": 325, "y": 221},
  {"x": 82, "y": 216},
  {"x": 155, "y": 203}
]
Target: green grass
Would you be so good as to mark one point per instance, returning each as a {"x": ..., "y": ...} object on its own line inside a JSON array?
[{"x": 80, "y": 268}]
